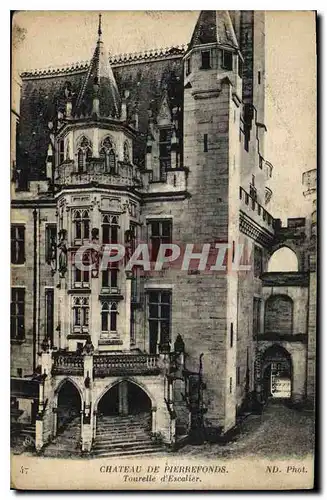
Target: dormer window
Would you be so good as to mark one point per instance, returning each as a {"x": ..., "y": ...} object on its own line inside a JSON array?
[
  {"x": 107, "y": 153},
  {"x": 84, "y": 154},
  {"x": 164, "y": 151},
  {"x": 205, "y": 59},
  {"x": 227, "y": 60}
]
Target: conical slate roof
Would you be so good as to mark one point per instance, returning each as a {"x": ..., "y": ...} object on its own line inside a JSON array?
[
  {"x": 214, "y": 26},
  {"x": 101, "y": 75}
]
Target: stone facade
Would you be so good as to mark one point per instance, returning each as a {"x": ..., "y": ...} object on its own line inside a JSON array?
[{"x": 112, "y": 168}]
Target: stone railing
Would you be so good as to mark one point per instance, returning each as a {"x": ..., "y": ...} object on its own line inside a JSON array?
[
  {"x": 124, "y": 175},
  {"x": 67, "y": 363},
  {"x": 125, "y": 364}
]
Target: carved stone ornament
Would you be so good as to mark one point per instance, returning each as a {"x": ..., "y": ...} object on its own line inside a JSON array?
[
  {"x": 62, "y": 261},
  {"x": 88, "y": 346}
]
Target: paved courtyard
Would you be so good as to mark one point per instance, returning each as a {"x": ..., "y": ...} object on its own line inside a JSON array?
[{"x": 279, "y": 432}]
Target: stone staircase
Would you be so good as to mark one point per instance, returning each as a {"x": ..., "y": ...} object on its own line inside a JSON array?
[
  {"x": 22, "y": 436},
  {"x": 124, "y": 436},
  {"x": 67, "y": 443}
]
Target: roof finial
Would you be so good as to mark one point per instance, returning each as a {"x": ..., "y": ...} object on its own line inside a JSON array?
[{"x": 99, "y": 28}]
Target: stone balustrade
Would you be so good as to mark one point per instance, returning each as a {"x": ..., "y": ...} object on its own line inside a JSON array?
[
  {"x": 67, "y": 363},
  {"x": 125, "y": 364},
  {"x": 125, "y": 175},
  {"x": 71, "y": 363}
]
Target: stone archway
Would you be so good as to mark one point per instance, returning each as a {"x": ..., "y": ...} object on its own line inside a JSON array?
[
  {"x": 276, "y": 374},
  {"x": 68, "y": 405},
  {"x": 124, "y": 418}
]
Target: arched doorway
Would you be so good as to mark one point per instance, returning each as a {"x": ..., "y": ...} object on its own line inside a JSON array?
[
  {"x": 276, "y": 374},
  {"x": 123, "y": 420},
  {"x": 124, "y": 398},
  {"x": 68, "y": 405}
]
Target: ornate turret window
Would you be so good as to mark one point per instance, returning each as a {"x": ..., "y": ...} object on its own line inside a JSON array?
[
  {"x": 81, "y": 222},
  {"x": 107, "y": 153},
  {"x": 110, "y": 227},
  {"x": 110, "y": 276},
  {"x": 81, "y": 276},
  {"x": 109, "y": 314},
  {"x": 84, "y": 153}
]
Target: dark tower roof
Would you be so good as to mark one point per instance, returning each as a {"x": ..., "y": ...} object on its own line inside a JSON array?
[
  {"x": 214, "y": 26},
  {"x": 100, "y": 82}
]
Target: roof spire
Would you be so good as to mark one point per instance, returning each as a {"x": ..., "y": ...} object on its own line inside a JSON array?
[
  {"x": 99, "y": 28},
  {"x": 99, "y": 89}
]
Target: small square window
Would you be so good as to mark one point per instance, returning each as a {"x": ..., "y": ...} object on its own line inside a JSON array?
[
  {"x": 238, "y": 376},
  {"x": 227, "y": 62},
  {"x": 205, "y": 59},
  {"x": 205, "y": 143}
]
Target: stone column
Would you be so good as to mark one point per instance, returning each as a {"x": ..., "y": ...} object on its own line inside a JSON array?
[
  {"x": 95, "y": 317},
  {"x": 63, "y": 314},
  {"x": 95, "y": 143},
  {"x": 87, "y": 417},
  {"x": 44, "y": 417},
  {"x": 71, "y": 145},
  {"x": 127, "y": 305},
  {"x": 123, "y": 398},
  {"x": 154, "y": 420}
]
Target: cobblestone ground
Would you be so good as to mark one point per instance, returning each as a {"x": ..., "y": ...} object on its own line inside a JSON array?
[{"x": 279, "y": 432}]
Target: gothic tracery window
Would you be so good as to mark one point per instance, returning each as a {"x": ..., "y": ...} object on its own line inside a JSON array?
[
  {"x": 81, "y": 310},
  {"x": 107, "y": 153},
  {"x": 81, "y": 221},
  {"x": 110, "y": 227},
  {"x": 109, "y": 314},
  {"x": 84, "y": 153}
]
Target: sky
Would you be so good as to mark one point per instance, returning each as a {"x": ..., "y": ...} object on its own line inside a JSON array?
[{"x": 46, "y": 38}]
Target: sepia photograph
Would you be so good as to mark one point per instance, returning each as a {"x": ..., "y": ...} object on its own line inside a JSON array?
[{"x": 163, "y": 250}]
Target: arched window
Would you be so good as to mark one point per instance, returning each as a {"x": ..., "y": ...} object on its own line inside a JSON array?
[
  {"x": 110, "y": 227},
  {"x": 84, "y": 154},
  {"x": 283, "y": 260},
  {"x": 81, "y": 221},
  {"x": 107, "y": 153},
  {"x": 279, "y": 314},
  {"x": 109, "y": 317},
  {"x": 126, "y": 152},
  {"x": 81, "y": 309}
]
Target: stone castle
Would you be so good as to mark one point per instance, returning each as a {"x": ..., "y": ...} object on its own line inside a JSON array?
[{"x": 166, "y": 146}]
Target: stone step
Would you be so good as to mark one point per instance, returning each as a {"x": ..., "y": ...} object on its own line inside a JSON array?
[
  {"x": 105, "y": 435},
  {"x": 121, "y": 429},
  {"x": 115, "y": 428},
  {"x": 120, "y": 439},
  {"x": 127, "y": 445},
  {"x": 125, "y": 453}
]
